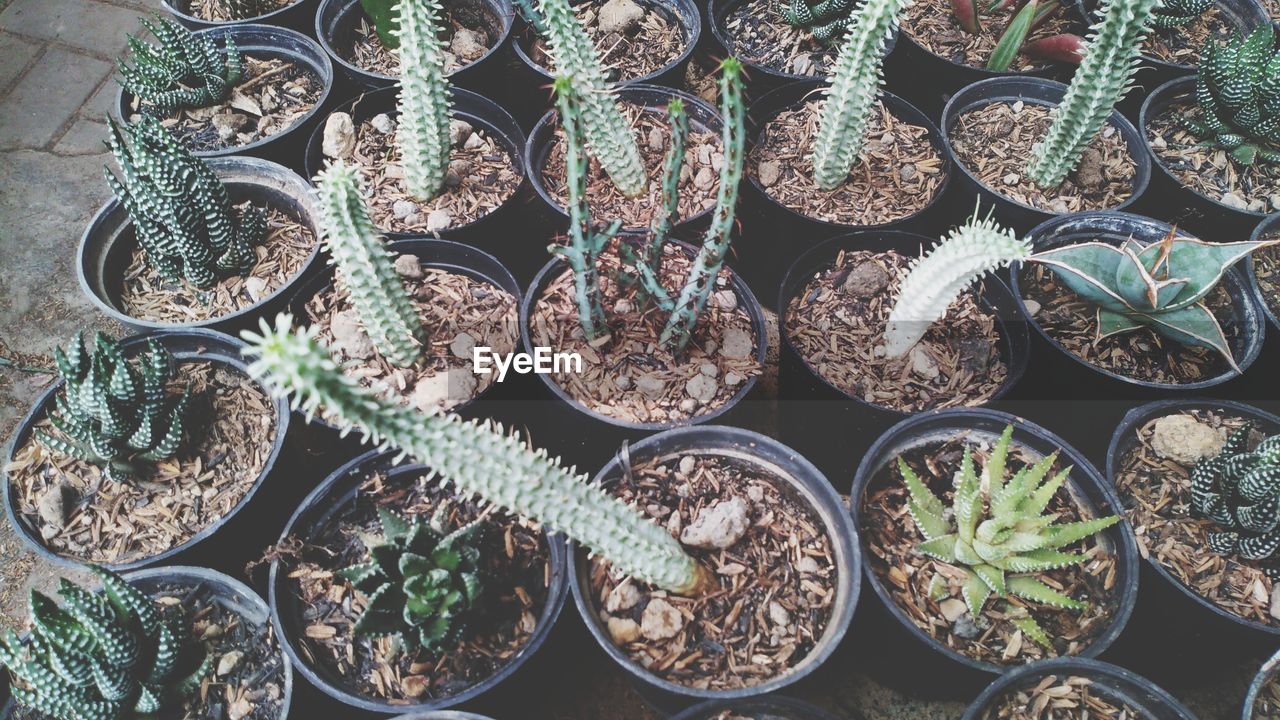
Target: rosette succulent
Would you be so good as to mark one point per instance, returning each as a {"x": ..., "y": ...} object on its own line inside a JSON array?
[
  {"x": 1239, "y": 489},
  {"x": 1238, "y": 91},
  {"x": 184, "y": 69}
]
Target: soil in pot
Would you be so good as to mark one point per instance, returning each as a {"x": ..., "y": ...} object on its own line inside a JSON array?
[
  {"x": 216, "y": 10},
  {"x": 932, "y": 24},
  {"x": 758, "y": 33},
  {"x": 482, "y": 174},
  {"x": 995, "y": 141},
  {"x": 991, "y": 637},
  {"x": 774, "y": 575},
  {"x": 837, "y": 322},
  {"x": 145, "y": 294},
  {"x": 1142, "y": 354},
  {"x": 629, "y": 376},
  {"x": 1058, "y": 697},
  {"x": 898, "y": 174},
  {"x": 515, "y": 562},
  {"x": 1153, "y": 481},
  {"x": 230, "y": 429},
  {"x": 1182, "y": 45},
  {"x": 1266, "y": 268},
  {"x": 458, "y": 313},
  {"x": 699, "y": 177},
  {"x": 1210, "y": 171},
  {"x": 633, "y": 39},
  {"x": 273, "y": 93},
  {"x": 470, "y": 29}
]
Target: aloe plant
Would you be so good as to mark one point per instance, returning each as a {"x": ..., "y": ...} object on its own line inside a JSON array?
[
  {"x": 1238, "y": 92},
  {"x": 1239, "y": 489},
  {"x": 423, "y": 133},
  {"x": 183, "y": 70}
]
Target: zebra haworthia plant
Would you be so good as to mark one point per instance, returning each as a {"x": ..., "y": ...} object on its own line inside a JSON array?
[
  {"x": 1239, "y": 489},
  {"x": 423, "y": 133},
  {"x": 1176, "y": 13},
  {"x": 109, "y": 656},
  {"x": 1238, "y": 93},
  {"x": 825, "y": 19},
  {"x": 184, "y": 69}
]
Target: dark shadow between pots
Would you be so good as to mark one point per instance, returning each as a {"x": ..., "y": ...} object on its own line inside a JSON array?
[
  {"x": 1108, "y": 682},
  {"x": 776, "y": 707}
]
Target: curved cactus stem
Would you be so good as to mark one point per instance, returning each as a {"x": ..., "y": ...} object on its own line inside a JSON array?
[
  {"x": 423, "y": 133},
  {"x": 669, "y": 211}
]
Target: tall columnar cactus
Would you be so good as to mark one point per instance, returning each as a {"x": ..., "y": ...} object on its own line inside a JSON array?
[
  {"x": 933, "y": 281},
  {"x": 825, "y": 19},
  {"x": 1239, "y": 489},
  {"x": 368, "y": 273},
  {"x": 1238, "y": 91},
  {"x": 184, "y": 70},
  {"x": 1110, "y": 57},
  {"x": 851, "y": 96},
  {"x": 244, "y": 9},
  {"x": 1176, "y": 13},
  {"x": 181, "y": 212},
  {"x": 605, "y": 127},
  {"x": 423, "y": 134},
  {"x": 113, "y": 412},
  {"x": 109, "y": 656},
  {"x": 668, "y": 212},
  {"x": 478, "y": 459},
  {"x": 692, "y": 300}
]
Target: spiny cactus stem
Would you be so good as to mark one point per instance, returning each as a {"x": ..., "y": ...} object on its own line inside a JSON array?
[
  {"x": 423, "y": 134},
  {"x": 669, "y": 211},
  {"x": 584, "y": 247}
]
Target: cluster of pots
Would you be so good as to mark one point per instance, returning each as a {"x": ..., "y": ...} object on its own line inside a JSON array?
[{"x": 832, "y": 443}]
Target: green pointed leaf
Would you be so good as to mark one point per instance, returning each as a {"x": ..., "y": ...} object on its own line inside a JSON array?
[
  {"x": 394, "y": 527},
  {"x": 1032, "y": 629},
  {"x": 1043, "y": 495},
  {"x": 1204, "y": 263},
  {"x": 1195, "y": 326},
  {"x": 992, "y": 576},
  {"x": 967, "y": 555},
  {"x": 1032, "y": 589},
  {"x": 1013, "y": 38},
  {"x": 1040, "y": 560},
  {"x": 1114, "y": 323},
  {"x": 1088, "y": 269},
  {"x": 924, "y": 498},
  {"x": 968, "y": 498},
  {"x": 975, "y": 592},
  {"x": 993, "y": 471},
  {"x": 942, "y": 548},
  {"x": 1062, "y": 535}
]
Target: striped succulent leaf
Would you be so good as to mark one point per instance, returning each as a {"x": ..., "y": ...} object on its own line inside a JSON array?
[
  {"x": 1238, "y": 93},
  {"x": 1239, "y": 489},
  {"x": 183, "y": 70}
]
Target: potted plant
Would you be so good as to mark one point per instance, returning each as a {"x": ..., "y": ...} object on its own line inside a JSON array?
[
  {"x": 1263, "y": 700},
  {"x": 1073, "y": 687},
  {"x": 167, "y": 425},
  {"x": 981, "y": 570},
  {"x": 206, "y": 14},
  {"x": 153, "y": 641},
  {"x": 782, "y": 708},
  {"x": 1264, "y": 269},
  {"x": 188, "y": 243},
  {"x": 245, "y": 89}
]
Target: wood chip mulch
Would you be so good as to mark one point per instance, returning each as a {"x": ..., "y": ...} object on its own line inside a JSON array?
[
  {"x": 1267, "y": 706},
  {"x": 1141, "y": 354},
  {"x": 1183, "y": 45},
  {"x": 898, "y": 174},
  {"x": 1061, "y": 698},
  {"x": 629, "y": 376},
  {"x": 1156, "y": 494},
  {"x": 469, "y": 31},
  {"x": 760, "y": 33},
  {"x": 773, "y": 586},
  {"x": 1210, "y": 171},
  {"x": 147, "y": 295},
  {"x": 215, "y": 9},
  {"x": 908, "y": 575},
  {"x": 932, "y": 24},
  {"x": 230, "y": 429},
  {"x": 458, "y": 313},
  {"x": 273, "y": 94},
  {"x": 837, "y": 325},
  {"x": 995, "y": 143},
  {"x": 699, "y": 178},
  {"x": 1273, "y": 8},
  {"x": 639, "y": 48},
  {"x": 516, "y": 565},
  {"x": 1266, "y": 267}
]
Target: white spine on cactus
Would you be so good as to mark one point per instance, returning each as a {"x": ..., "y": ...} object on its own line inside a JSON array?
[
  {"x": 605, "y": 127},
  {"x": 933, "y": 282},
  {"x": 477, "y": 458},
  {"x": 423, "y": 132},
  {"x": 1111, "y": 55},
  {"x": 855, "y": 85}
]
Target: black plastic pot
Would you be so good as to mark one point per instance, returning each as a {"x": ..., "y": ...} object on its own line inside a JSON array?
[
  {"x": 1260, "y": 681},
  {"x": 832, "y": 428},
  {"x": 1108, "y": 682},
  {"x": 586, "y": 438},
  {"x": 1036, "y": 91},
  {"x": 335, "y": 492},
  {"x": 107, "y": 246},
  {"x": 1268, "y": 227},
  {"x": 918, "y": 659},
  {"x": 1173, "y": 201},
  {"x": 241, "y": 533},
  {"x": 763, "y": 258},
  {"x": 774, "y": 707},
  {"x": 336, "y": 20},
  {"x": 295, "y": 16},
  {"x": 443, "y": 715},
  {"x": 787, "y": 466},
  {"x": 285, "y": 146}
]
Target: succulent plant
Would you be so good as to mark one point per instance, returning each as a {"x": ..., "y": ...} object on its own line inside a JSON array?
[
  {"x": 1161, "y": 286},
  {"x": 1030, "y": 15},
  {"x": 386, "y": 22},
  {"x": 183, "y": 70},
  {"x": 182, "y": 215},
  {"x": 1238, "y": 92},
  {"x": 1239, "y": 489},
  {"x": 1111, "y": 56},
  {"x": 998, "y": 530},
  {"x": 113, "y": 412},
  {"x": 825, "y": 19},
  {"x": 109, "y": 656},
  {"x": 477, "y": 458},
  {"x": 423, "y": 134},
  {"x": 1175, "y": 13},
  {"x": 244, "y": 9},
  {"x": 368, "y": 271},
  {"x": 935, "y": 280}
]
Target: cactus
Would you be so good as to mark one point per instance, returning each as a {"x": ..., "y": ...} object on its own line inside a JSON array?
[
  {"x": 245, "y": 9},
  {"x": 668, "y": 212},
  {"x": 181, "y": 212},
  {"x": 423, "y": 135},
  {"x": 368, "y": 273},
  {"x": 479, "y": 459},
  {"x": 851, "y": 96},
  {"x": 421, "y": 584},
  {"x": 1239, "y": 489},
  {"x": 386, "y": 22},
  {"x": 997, "y": 530},
  {"x": 1238, "y": 91},
  {"x": 605, "y": 127},
  {"x": 1161, "y": 286},
  {"x": 109, "y": 656},
  {"x": 1110, "y": 57},
  {"x": 1176, "y": 13},
  {"x": 112, "y": 412},
  {"x": 183, "y": 70},
  {"x": 825, "y": 20},
  {"x": 933, "y": 281}
]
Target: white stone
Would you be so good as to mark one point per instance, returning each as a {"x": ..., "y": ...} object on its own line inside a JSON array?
[
  {"x": 623, "y": 630},
  {"x": 256, "y": 287},
  {"x": 622, "y": 597},
  {"x": 402, "y": 209},
  {"x": 229, "y": 661},
  {"x": 952, "y": 609},
  {"x": 339, "y": 136},
  {"x": 409, "y": 266},
  {"x": 349, "y": 335},
  {"x": 468, "y": 45},
  {"x": 807, "y": 565},
  {"x": 660, "y": 620},
  {"x": 718, "y": 525},
  {"x": 736, "y": 343},
  {"x": 1185, "y": 440},
  {"x": 778, "y": 614},
  {"x": 459, "y": 131},
  {"x": 701, "y": 388},
  {"x": 444, "y": 390},
  {"x": 768, "y": 173},
  {"x": 462, "y": 345},
  {"x": 438, "y": 219},
  {"x": 923, "y": 364},
  {"x": 651, "y": 386},
  {"x": 619, "y": 16},
  {"x": 383, "y": 123}
]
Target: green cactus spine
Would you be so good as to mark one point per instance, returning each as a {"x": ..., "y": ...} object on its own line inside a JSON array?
[
  {"x": 183, "y": 70},
  {"x": 423, "y": 134}
]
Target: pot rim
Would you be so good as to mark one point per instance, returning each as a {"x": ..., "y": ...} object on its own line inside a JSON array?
[
  {"x": 703, "y": 710},
  {"x": 170, "y": 7},
  {"x": 1074, "y": 664},
  {"x": 1092, "y": 16},
  {"x": 1264, "y": 674},
  {"x": 1269, "y": 225}
]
